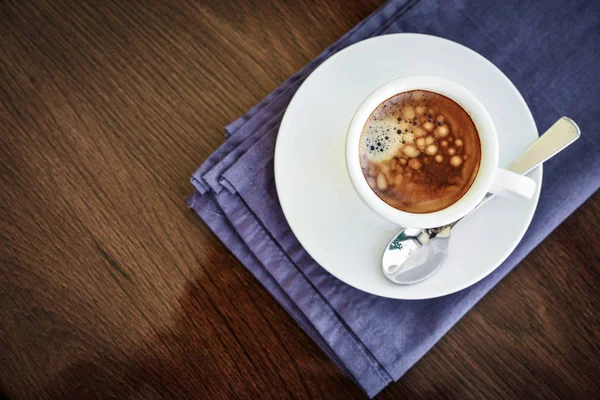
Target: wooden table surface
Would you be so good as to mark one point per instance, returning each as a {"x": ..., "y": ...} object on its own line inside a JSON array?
[{"x": 111, "y": 288}]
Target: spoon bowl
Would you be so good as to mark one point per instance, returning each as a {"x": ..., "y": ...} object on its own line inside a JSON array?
[{"x": 407, "y": 260}]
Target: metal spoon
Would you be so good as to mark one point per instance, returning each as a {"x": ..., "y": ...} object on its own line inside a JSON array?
[{"x": 415, "y": 254}]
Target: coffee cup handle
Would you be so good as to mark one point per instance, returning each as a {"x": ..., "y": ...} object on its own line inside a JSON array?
[{"x": 512, "y": 185}]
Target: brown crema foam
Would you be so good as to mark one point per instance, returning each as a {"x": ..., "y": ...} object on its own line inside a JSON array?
[{"x": 419, "y": 151}]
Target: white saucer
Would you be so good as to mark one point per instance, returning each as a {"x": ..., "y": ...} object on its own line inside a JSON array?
[{"x": 329, "y": 219}]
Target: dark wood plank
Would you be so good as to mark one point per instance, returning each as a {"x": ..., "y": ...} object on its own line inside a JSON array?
[{"x": 111, "y": 288}]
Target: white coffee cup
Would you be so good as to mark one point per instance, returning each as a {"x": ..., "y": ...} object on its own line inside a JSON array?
[{"x": 489, "y": 178}]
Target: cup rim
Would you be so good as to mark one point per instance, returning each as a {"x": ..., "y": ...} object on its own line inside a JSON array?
[{"x": 487, "y": 135}]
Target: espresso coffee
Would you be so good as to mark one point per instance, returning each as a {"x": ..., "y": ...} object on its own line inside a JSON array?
[{"x": 419, "y": 151}]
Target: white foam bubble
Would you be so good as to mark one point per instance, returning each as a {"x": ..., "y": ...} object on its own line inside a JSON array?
[
  {"x": 419, "y": 132},
  {"x": 407, "y": 112},
  {"x": 382, "y": 183},
  {"x": 432, "y": 150},
  {"x": 441, "y": 131},
  {"x": 410, "y": 151},
  {"x": 455, "y": 161}
]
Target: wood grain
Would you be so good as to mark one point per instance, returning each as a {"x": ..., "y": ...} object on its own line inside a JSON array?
[{"x": 111, "y": 288}]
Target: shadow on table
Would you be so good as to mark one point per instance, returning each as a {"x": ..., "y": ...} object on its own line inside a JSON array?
[{"x": 160, "y": 367}]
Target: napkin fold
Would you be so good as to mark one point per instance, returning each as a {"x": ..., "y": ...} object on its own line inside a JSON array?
[{"x": 550, "y": 52}]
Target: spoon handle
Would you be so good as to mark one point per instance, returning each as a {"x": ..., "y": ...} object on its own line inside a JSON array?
[{"x": 564, "y": 132}]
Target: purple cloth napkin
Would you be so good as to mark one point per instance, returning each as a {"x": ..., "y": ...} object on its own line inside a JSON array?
[{"x": 549, "y": 50}]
